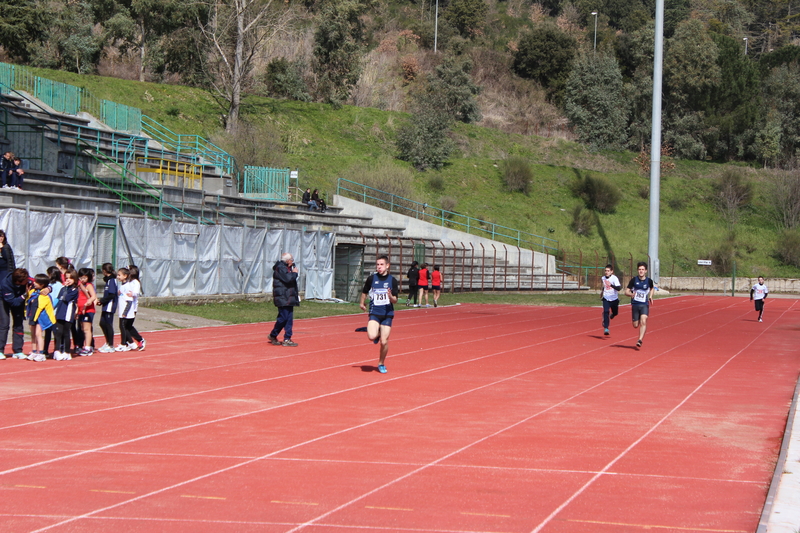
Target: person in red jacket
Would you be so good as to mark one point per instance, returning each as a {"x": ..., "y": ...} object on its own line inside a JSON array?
[
  {"x": 424, "y": 278},
  {"x": 436, "y": 284}
]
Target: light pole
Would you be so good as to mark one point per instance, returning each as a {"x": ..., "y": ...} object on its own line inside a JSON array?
[
  {"x": 595, "y": 31},
  {"x": 745, "y": 45},
  {"x": 436, "y": 28}
]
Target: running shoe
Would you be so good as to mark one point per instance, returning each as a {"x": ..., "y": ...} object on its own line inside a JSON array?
[
  {"x": 122, "y": 348},
  {"x": 2, "y": 356},
  {"x": 760, "y": 320},
  {"x": 288, "y": 342},
  {"x": 133, "y": 346},
  {"x": 40, "y": 357},
  {"x": 435, "y": 303},
  {"x": 639, "y": 343},
  {"x": 382, "y": 369},
  {"x": 86, "y": 352},
  {"x": 31, "y": 356},
  {"x": 19, "y": 355},
  {"x": 376, "y": 340},
  {"x": 606, "y": 332},
  {"x": 274, "y": 341},
  {"x": 142, "y": 345}
]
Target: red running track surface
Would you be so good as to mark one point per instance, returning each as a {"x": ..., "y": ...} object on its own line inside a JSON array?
[{"x": 491, "y": 419}]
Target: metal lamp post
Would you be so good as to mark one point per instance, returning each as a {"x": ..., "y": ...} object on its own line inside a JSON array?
[
  {"x": 595, "y": 30},
  {"x": 745, "y": 45}
]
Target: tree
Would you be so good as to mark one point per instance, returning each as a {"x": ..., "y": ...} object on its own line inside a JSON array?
[
  {"x": 545, "y": 55},
  {"x": 23, "y": 23},
  {"x": 732, "y": 192},
  {"x": 595, "y": 102},
  {"x": 468, "y": 16},
  {"x": 781, "y": 112},
  {"x": 457, "y": 90},
  {"x": 235, "y": 31},
  {"x": 338, "y": 45},
  {"x": 691, "y": 72},
  {"x": 424, "y": 142},
  {"x": 71, "y": 43}
]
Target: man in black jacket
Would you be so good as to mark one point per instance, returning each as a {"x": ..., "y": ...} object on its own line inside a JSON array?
[
  {"x": 285, "y": 296},
  {"x": 13, "y": 288}
]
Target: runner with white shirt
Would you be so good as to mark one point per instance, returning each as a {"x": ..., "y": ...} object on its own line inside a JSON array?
[
  {"x": 383, "y": 289},
  {"x": 640, "y": 289},
  {"x": 611, "y": 288},
  {"x": 759, "y": 293}
]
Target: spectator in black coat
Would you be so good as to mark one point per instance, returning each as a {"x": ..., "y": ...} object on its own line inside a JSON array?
[
  {"x": 13, "y": 289},
  {"x": 286, "y": 297},
  {"x": 413, "y": 281},
  {"x": 7, "y": 262}
]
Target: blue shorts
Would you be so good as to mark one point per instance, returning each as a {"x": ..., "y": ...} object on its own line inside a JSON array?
[
  {"x": 86, "y": 317},
  {"x": 383, "y": 320},
  {"x": 637, "y": 310}
]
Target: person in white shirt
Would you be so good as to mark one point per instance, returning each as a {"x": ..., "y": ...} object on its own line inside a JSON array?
[
  {"x": 759, "y": 293},
  {"x": 129, "y": 290},
  {"x": 611, "y": 288}
]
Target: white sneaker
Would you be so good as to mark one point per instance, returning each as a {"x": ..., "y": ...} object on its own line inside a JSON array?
[
  {"x": 40, "y": 357},
  {"x": 31, "y": 356},
  {"x": 132, "y": 346},
  {"x": 57, "y": 355},
  {"x": 122, "y": 348},
  {"x": 106, "y": 349},
  {"x": 2, "y": 356},
  {"x": 19, "y": 355}
]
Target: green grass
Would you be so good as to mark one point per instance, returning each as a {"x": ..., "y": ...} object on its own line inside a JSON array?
[
  {"x": 326, "y": 143},
  {"x": 247, "y": 312}
]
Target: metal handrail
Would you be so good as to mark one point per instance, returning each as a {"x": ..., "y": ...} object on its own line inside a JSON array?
[
  {"x": 189, "y": 144},
  {"x": 454, "y": 220}
]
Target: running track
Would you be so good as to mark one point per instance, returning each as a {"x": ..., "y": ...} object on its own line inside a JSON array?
[{"x": 491, "y": 419}]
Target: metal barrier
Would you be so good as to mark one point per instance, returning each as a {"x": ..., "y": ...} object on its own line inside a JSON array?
[
  {"x": 172, "y": 173},
  {"x": 266, "y": 183},
  {"x": 450, "y": 219},
  {"x": 121, "y": 117},
  {"x": 192, "y": 145}
]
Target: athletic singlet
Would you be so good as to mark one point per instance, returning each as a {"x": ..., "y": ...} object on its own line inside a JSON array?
[
  {"x": 378, "y": 289},
  {"x": 423, "y": 277},
  {"x": 82, "y": 299},
  {"x": 436, "y": 278},
  {"x": 641, "y": 289}
]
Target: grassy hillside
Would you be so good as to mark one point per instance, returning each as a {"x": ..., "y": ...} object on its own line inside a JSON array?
[{"x": 325, "y": 144}]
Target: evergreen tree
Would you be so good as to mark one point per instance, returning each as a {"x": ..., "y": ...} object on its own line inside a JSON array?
[
  {"x": 595, "y": 102},
  {"x": 457, "y": 90},
  {"x": 23, "y": 23},
  {"x": 468, "y": 16},
  {"x": 545, "y": 55}
]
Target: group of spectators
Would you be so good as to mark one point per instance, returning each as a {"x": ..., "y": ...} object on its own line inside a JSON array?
[
  {"x": 313, "y": 201},
  {"x": 11, "y": 171},
  {"x": 421, "y": 281}
]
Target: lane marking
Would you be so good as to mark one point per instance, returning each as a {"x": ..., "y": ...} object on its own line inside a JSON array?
[
  {"x": 112, "y": 491},
  {"x": 489, "y": 514},
  {"x": 202, "y": 497},
  {"x": 653, "y": 526},
  {"x": 386, "y": 508},
  {"x": 293, "y": 503},
  {"x": 635, "y": 443},
  {"x": 30, "y": 487}
]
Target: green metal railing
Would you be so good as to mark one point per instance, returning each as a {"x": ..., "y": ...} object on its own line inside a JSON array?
[
  {"x": 189, "y": 145},
  {"x": 266, "y": 183},
  {"x": 465, "y": 223},
  {"x": 125, "y": 184}
]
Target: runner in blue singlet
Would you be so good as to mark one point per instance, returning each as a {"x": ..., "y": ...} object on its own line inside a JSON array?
[
  {"x": 383, "y": 289},
  {"x": 640, "y": 289}
]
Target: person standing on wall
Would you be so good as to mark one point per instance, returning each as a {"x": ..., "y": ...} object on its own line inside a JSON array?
[{"x": 286, "y": 297}]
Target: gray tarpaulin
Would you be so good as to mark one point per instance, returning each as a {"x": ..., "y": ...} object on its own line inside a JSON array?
[{"x": 175, "y": 258}]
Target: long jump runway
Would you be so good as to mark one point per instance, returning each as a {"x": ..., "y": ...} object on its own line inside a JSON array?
[{"x": 491, "y": 419}]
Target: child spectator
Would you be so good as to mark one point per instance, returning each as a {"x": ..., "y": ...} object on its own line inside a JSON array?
[
  {"x": 55, "y": 289},
  {"x": 108, "y": 306},
  {"x": 40, "y": 316},
  {"x": 86, "y": 300},
  {"x": 65, "y": 315},
  {"x": 129, "y": 290}
]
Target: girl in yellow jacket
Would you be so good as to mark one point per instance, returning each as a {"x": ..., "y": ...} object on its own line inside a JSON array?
[{"x": 40, "y": 315}]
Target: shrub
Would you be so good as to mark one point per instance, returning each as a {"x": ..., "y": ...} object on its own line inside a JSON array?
[
  {"x": 788, "y": 250},
  {"x": 283, "y": 80},
  {"x": 644, "y": 192},
  {"x": 582, "y": 221},
  {"x": 390, "y": 180},
  {"x": 436, "y": 182},
  {"x": 517, "y": 174},
  {"x": 597, "y": 193},
  {"x": 732, "y": 192},
  {"x": 676, "y": 203},
  {"x": 257, "y": 145},
  {"x": 784, "y": 199},
  {"x": 724, "y": 255},
  {"x": 425, "y": 142},
  {"x": 449, "y": 204}
]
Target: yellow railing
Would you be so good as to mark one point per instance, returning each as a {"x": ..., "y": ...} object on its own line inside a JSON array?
[{"x": 172, "y": 173}]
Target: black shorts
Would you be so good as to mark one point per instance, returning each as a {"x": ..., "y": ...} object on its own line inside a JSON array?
[
  {"x": 436, "y": 287},
  {"x": 637, "y": 310},
  {"x": 760, "y": 305},
  {"x": 86, "y": 317}
]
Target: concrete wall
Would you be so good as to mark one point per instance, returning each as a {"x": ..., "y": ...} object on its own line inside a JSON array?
[
  {"x": 418, "y": 229},
  {"x": 715, "y": 284}
]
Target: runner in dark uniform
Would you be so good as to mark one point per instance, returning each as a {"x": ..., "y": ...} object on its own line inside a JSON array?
[
  {"x": 640, "y": 289},
  {"x": 382, "y": 288}
]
